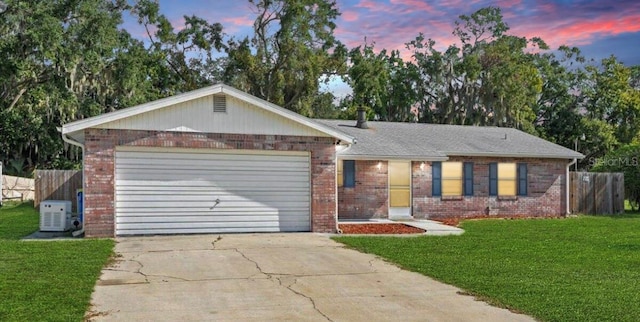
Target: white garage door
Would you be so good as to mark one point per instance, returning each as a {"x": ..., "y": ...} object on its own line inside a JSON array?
[{"x": 211, "y": 191}]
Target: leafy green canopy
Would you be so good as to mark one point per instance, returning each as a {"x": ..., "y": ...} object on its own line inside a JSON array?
[
  {"x": 291, "y": 48},
  {"x": 65, "y": 60}
]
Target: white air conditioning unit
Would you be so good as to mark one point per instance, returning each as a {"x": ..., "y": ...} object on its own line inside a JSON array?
[{"x": 55, "y": 215}]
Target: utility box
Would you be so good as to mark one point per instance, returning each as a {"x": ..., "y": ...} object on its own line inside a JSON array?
[
  {"x": 55, "y": 215},
  {"x": 80, "y": 204}
]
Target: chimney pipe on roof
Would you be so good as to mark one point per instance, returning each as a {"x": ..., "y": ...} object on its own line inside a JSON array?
[{"x": 362, "y": 118}]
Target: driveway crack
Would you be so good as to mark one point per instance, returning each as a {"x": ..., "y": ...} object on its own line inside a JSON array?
[
  {"x": 269, "y": 274},
  {"x": 146, "y": 276},
  {"x": 213, "y": 243},
  {"x": 278, "y": 278},
  {"x": 289, "y": 287},
  {"x": 139, "y": 270}
]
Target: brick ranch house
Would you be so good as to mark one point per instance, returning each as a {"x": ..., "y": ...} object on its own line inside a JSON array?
[{"x": 219, "y": 160}]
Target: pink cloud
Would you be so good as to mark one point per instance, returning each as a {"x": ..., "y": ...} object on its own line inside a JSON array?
[
  {"x": 419, "y": 5},
  {"x": 239, "y": 21},
  {"x": 178, "y": 24},
  {"x": 350, "y": 15},
  {"x": 504, "y": 4},
  {"x": 587, "y": 29},
  {"x": 371, "y": 5},
  {"x": 392, "y": 23},
  {"x": 579, "y": 32}
]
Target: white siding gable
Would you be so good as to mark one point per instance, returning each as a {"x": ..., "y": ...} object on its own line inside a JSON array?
[{"x": 198, "y": 116}]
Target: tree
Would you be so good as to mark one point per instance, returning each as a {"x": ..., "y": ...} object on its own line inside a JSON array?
[
  {"x": 559, "y": 106},
  {"x": 56, "y": 60},
  {"x": 610, "y": 96},
  {"x": 291, "y": 48},
  {"x": 66, "y": 60},
  {"x": 368, "y": 77},
  {"x": 383, "y": 83},
  {"x": 187, "y": 53},
  {"x": 635, "y": 77},
  {"x": 490, "y": 80},
  {"x": 599, "y": 137},
  {"x": 324, "y": 107}
]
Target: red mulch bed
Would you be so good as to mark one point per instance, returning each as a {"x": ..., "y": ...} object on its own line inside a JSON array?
[{"x": 379, "y": 229}]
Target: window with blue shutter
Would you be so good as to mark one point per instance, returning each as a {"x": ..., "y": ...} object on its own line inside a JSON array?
[
  {"x": 436, "y": 176},
  {"x": 522, "y": 179},
  {"x": 468, "y": 178},
  {"x": 493, "y": 179},
  {"x": 349, "y": 173}
]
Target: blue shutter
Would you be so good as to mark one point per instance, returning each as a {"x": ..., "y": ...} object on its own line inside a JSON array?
[
  {"x": 522, "y": 179},
  {"x": 436, "y": 176},
  {"x": 493, "y": 179},
  {"x": 468, "y": 178},
  {"x": 349, "y": 173}
]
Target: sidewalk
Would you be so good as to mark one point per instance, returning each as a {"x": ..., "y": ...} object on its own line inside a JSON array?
[{"x": 433, "y": 227}]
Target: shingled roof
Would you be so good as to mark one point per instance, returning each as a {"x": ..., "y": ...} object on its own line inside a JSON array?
[{"x": 420, "y": 141}]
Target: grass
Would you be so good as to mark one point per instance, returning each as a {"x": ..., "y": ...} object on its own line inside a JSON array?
[
  {"x": 576, "y": 269},
  {"x": 45, "y": 280}
]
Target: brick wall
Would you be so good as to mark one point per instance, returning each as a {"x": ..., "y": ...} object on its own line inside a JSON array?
[
  {"x": 369, "y": 198},
  {"x": 99, "y": 157},
  {"x": 546, "y": 192}
]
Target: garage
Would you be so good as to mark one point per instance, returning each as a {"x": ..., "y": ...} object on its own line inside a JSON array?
[
  {"x": 181, "y": 191},
  {"x": 212, "y": 160}
]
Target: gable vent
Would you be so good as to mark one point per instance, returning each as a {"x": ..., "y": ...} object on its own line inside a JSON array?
[{"x": 220, "y": 104}]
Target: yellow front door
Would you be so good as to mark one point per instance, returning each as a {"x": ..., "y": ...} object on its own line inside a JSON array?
[{"x": 399, "y": 189}]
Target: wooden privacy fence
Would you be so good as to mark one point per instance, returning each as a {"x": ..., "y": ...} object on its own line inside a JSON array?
[
  {"x": 57, "y": 185},
  {"x": 597, "y": 193}
]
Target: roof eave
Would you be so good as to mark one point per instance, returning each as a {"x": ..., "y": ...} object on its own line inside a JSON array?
[
  {"x": 517, "y": 155},
  {"x": 392, "y": 157},
  {"x": 211, "y": 90}
]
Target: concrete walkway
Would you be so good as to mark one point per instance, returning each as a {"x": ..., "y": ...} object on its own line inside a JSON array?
[
  {"x": 434, "y": 228},
  {"x": 270, "y": 277}
]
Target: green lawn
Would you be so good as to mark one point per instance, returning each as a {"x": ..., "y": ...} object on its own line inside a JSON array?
[
  {"x": 575, "y": 269},
  {"x": 45, "y": 280}
]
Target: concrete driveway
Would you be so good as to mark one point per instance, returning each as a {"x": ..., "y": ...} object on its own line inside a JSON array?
[{"x": 270, "y": 277}]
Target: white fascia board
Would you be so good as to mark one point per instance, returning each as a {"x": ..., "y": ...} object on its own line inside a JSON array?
[
  {"x": 286, "y": 113},
  {"x": 392, "y": 157},
  {"x": 516, "y": 155},
  {"x": 139, "y": 109}
]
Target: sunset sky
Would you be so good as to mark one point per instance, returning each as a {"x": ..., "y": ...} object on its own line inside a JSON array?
[{"x": 600, "y": 28}]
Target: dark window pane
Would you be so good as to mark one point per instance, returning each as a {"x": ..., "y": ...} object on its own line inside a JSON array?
[
  {"x": 349, "y": 173},
  {"x": 468, "y": 178},
  {"x": 436, "y": 175},
  {"x": 493, "y": 179},
  {"x": 522, "y": 179}
]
